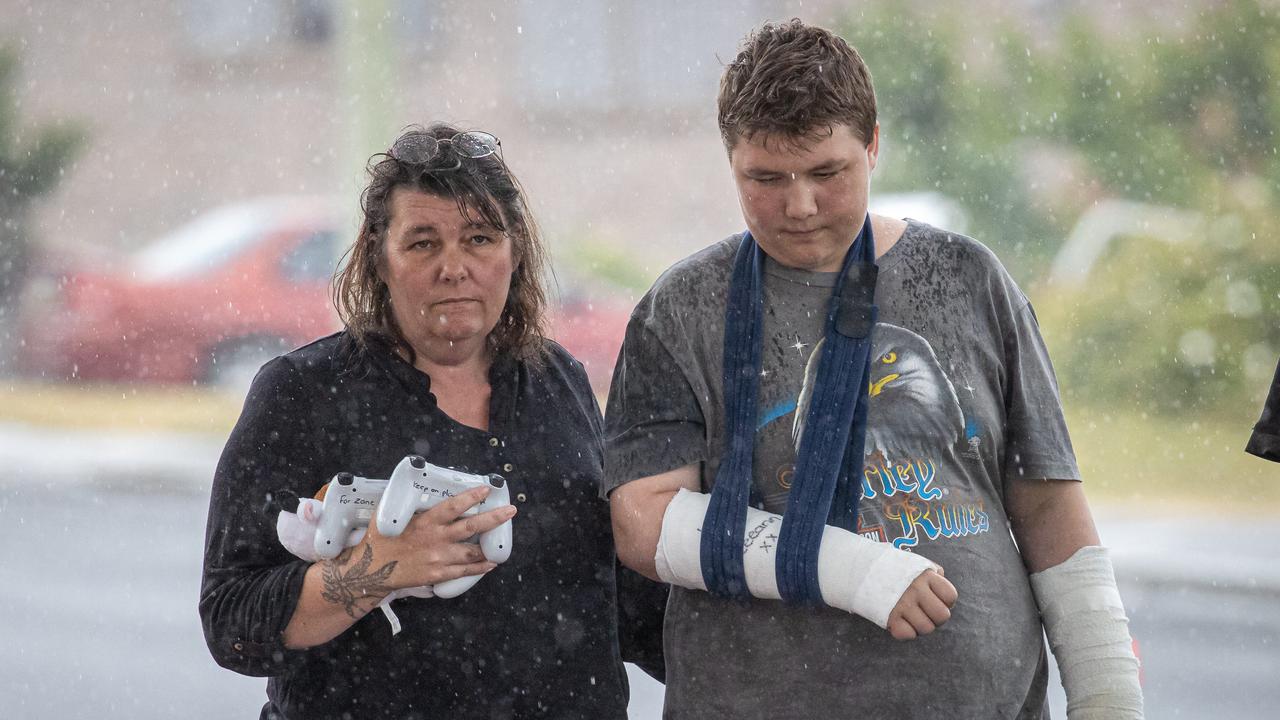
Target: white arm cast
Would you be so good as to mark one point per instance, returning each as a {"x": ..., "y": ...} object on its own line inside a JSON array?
[
  {"x": 1089, "y": 635},
  {"x": 855, "y": 574}
]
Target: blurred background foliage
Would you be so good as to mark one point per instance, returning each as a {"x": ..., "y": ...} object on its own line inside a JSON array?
[
  {"x": 32, "y": 162},
  {"x": 1031, "y": 126}
]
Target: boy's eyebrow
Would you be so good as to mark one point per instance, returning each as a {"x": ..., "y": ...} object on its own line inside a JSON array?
[{"x": 830, "y": 164}]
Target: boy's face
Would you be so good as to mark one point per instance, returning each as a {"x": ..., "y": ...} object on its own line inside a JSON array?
[{"x": 805, "y": 202}]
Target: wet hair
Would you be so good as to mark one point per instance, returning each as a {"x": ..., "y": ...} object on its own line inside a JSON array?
[
  {"x": 794, "y": 82},
  {"x": 486, "y": 191}
]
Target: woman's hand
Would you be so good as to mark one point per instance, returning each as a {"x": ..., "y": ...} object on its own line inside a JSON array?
[{"x": 432, "y": 549}]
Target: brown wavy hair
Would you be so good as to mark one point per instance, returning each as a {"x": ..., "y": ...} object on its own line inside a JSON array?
[
  {"x": 482, "y": 187},
  {"x": 795, "y": 81}
]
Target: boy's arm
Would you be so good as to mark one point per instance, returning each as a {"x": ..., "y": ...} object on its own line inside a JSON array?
[
  {"x": 1075, "y": 587},
  {"x": 1051, "y": 521},
  {"x": 657, "y": 524},
  {"x": 637, "y": 508}
]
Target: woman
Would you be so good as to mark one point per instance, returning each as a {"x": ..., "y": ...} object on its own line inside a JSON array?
[{"x": 443, "y": 356}]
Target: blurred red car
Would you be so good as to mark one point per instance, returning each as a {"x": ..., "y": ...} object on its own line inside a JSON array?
[{"x": 216, "y": 298}]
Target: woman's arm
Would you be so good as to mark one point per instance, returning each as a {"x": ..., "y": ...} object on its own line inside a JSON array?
[
  {"x": 260, "y": 605},
  {"x": 338, "y": 592},
  {"x": 250, "y": 582}
]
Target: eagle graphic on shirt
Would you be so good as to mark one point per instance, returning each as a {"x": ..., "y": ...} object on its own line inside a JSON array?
[
  {"x": 914, "y": 409},
  {"x": 916, "y": 430}
]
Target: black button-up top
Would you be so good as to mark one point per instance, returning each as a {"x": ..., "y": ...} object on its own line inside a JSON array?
[{"x": 534, "y": 638}]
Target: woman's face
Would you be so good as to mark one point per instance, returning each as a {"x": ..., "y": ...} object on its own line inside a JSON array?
[{"x": 448, "y": 277}]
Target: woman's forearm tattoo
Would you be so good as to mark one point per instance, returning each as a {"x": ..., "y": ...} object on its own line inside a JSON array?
[{"x": 357, "y": 582}]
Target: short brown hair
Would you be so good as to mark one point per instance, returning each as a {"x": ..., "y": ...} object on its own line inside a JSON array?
[
  {"x": 794, "y": 80},
  {"x": 481, "y": 186}
]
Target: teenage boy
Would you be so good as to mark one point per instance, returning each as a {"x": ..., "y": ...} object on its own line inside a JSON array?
[{"x": 821, "y": 432}]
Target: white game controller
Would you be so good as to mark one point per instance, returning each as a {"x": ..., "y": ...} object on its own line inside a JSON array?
[
  {"x": 348, "y": 505},
  {"x": 417, "y": 485}
]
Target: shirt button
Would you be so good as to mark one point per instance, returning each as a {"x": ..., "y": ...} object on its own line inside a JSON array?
[
  {"x": 520, "y": 497},
  {"x": 508, "y": 467},
  {"x": 493, "y": 442},
  {"x": 238, "y": 646}
]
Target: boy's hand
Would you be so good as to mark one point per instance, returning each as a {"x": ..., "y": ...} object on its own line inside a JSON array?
[{"x": 923, "y": 607}]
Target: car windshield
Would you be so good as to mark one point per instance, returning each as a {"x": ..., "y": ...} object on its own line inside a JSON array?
[{"x": 206, "y": 243}]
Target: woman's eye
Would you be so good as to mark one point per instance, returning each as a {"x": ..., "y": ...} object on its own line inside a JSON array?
[
  {"x": 420, "y": 245},
  {"x": 481, "y": 239}
]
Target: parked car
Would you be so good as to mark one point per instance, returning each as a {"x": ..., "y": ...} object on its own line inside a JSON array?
[{"x": 213, "y": 300}]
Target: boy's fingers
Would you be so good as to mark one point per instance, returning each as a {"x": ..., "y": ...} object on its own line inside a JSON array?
[
  {"x": 935, "y": 609},
  {"x": 943, "y": 588},
  {"x": 901, "y": 629},
  {"x": 920, "y": 622}
]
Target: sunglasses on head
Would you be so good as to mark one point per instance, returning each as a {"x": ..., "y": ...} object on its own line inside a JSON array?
[{"x": 420, "y": 148}]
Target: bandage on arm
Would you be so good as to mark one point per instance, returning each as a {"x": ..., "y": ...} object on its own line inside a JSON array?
[
  {"x": 855, "y": 574},
  {"x": 1089, "y": 635}
]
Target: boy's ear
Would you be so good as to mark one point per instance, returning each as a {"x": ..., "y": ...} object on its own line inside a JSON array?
[{"x": 873, "y": 147}]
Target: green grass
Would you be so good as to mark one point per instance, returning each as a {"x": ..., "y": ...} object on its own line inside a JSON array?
[{"x": 1168, "y": 463}]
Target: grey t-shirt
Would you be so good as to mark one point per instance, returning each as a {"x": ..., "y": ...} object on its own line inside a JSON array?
[{"x": 963, "y": 401}]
